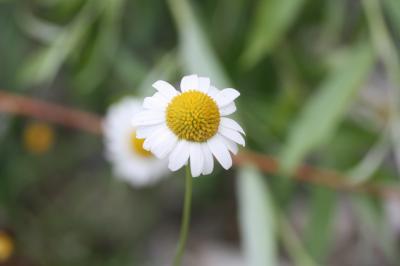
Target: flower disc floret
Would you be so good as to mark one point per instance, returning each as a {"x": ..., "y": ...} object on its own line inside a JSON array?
[{"x": 193, "y": 116}]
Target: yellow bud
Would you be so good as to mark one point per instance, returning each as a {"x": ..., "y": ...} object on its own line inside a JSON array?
[
  {"x": 6, "y": 246},
  {"x": 38, "y": 137}
]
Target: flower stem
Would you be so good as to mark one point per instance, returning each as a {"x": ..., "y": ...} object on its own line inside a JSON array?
[{"x": 185, "y": 218}]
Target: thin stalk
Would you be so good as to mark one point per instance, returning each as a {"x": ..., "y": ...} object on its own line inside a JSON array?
[
  {"x": 185, "y": 218},
  {"x": 386, "y": 49},
  {"x": 293, "y": 244}
]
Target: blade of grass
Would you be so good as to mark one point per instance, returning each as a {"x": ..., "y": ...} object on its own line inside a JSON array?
[
  {"x": 326, "y": 107},
  {"x": 319, "y": 229},
  {"x": 393, "y": 9},
  {"x": 257, "y": 219},
  {"x": 386, "y": 49},
  {"x": 272, "y": 20},
  {"x": 196, "y": 52},
  {"x": 293, "y": 245},
  {"x": 365, "y": 169}
]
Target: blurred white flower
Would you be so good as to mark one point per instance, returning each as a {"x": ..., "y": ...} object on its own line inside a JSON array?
[
  {"x": 125, "y": 151},
  {"x": 190, "y": 124}
]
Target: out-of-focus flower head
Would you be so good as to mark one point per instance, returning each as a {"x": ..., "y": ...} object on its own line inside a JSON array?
[{"x": 125, "y": 150}]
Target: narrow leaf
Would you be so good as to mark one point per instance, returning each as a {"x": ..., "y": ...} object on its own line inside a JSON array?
[
  {"x": 326, "y": 107},
  {"x": 293, "y": 244},
  {"x": 256, "y": 216},
  {"x": 319, "y": 230},
  {"x": 271, "y": 22},
  {"x": 197, "y": 54},
  {"x": 393, "y": 9}
]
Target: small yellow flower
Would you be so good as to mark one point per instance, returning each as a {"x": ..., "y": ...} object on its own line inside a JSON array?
[
  {"x": 6, "y": 246},
  {"x": 38, "y": 137}
]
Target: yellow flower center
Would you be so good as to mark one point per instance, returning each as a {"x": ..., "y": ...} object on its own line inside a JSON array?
[
  {"x": 137, "y": 146},
  {"x": 6, "y": 246},
  {"x": 38, "y": 137},
  {"x": 193, "y": 116}
]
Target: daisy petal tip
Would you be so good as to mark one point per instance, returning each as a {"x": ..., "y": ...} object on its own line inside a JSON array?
[
  {"x": 158, "y": 83},
  {"x": 194, "y": 175},
  {"x": 233, "y": 93},
  {"x": 226, "y": 97},
  {"x": 206, "y": 172},
  {"x": 173, "y": 168},
  {"x": 226, "y": 166}
]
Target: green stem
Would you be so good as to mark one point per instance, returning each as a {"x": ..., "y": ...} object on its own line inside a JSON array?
[{"x": 185, "y": 218}]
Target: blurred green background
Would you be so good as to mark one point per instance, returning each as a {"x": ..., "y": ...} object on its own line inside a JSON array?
[{"x": 319, "y": 83}]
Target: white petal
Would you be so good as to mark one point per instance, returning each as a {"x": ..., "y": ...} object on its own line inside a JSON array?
[
  {"x": 226, "y": 96},
  {"x": 154, "y": 137},
  {"x": 232, "y": 124},
  {"x": 232, "y": 135},
  {"x": 161, "y": 97},
  {"x": 146, "y": 118},
  {"x": 232, "y": 146},
  {"x": 220, "y": 151},
  {"x": 164, "y": 144},
  {"x": 179, "y": 155},
  {"x": 190, "y": 82},
  {"x": 213, "y": 92},
  {"x": 154, "y": 103},
  {"x": 227, "y": 110},
  {"x": 166, "y": 89},
  {"x": 145, "y": 131},
  {"x": 196, "y": 159},
  {"x": 208, "y": 159},
  {"x": 157, "y": 140},
  {"x": 204, "y": 84}
]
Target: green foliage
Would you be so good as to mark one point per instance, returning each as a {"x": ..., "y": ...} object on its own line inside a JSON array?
[
  {"x": 197, "y": 55},
  {"x": 257, "y": 218},
  {"x": 318, "y": 233},
  {"x": 311, "y": 90},
  {"x": 325, "y": 109},
  {"x": 272, "y": 20}
]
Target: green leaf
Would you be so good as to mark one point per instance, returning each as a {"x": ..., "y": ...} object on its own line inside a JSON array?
[
  {"x": 271, "y": 22},
  {"x": 257, "y": 219},
  {"x": 197, "y": 54},
  {"x": 293, "y": 244},
  {"x": 366, "y": 167},
  {"x": 393, "y": 9},
  {"x": 319, "y": 230},
  {"x": 374, "y": 228},
  {"x": 44, "y": 64},
  {"x": 104, "y": 49},
  {"x": 325, "y": 109},
  {"x": 165, "y": 68}
]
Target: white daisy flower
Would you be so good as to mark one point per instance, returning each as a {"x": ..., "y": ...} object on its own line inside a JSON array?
[
  {"x": 125, "y": 150},
  {"x": 191, "y": 124}
]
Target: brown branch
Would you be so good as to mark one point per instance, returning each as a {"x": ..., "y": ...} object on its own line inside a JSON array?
[
  {"x": 65, "y": 116},
  {"x": 313, "y": 175},
  {"x": 91, "y": 123}
]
